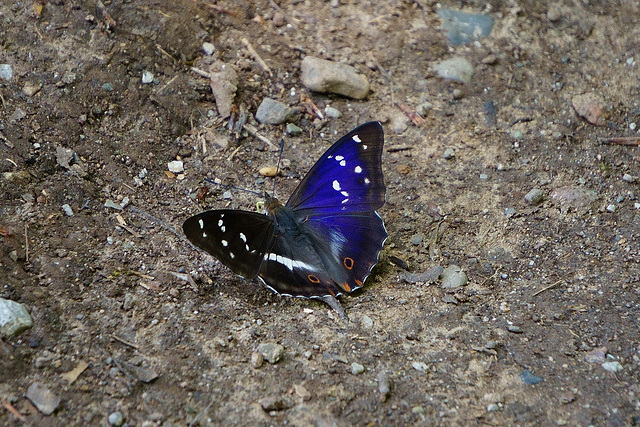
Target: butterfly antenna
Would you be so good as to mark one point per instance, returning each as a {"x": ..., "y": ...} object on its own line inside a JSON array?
[
  {"x": 232, "y": 187},
  {"x": 278, "y": 166}
]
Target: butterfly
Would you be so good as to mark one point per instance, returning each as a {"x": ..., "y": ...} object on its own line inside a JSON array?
[{"x": 324, "y": 241}]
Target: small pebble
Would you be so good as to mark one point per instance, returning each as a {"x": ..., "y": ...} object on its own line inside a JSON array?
[
  {"x": 453, "y": 277},
  {"x": 6, "y": 72},
  {"x": 612, "y": 366},
  {"x": 456, "y": 68},
  {"x": 176, "y": 166},
  {"x": 273, "y": 112},
  {"x": 14, "y": 318},
  {"x": 147, "y": 77},
  {"x": 514, "y": 329},
  {"x": 107, "y": 87},
  {"x": 611, "y": 208},
  {"x": 334, "y": 113},
  {"x": 493, "y": 407},
  {"x": 534, "y": 197},
  {"x": 111, "y": 204},
  {"x": 293, "y": 130},
  {"x": 271, "y": 352},
  {"x": 356, "y": 368},
  {"x": 116, "y": 419},
  {"x": 517, "y": 134},
  {"x": 366, "y": 322},
  {"x": 269, "y": 171},
  {"x": 420, "y": 366},
  {"x": 256, "y": 360},
  {"x": 629, "y": 178},
  {"x": 528, "y": 377},
  {"x": 208, "y": 48},
  {"x": 67, "y": 210},
  {"x": 416, "y": 240},
  {"x": 449, "y": 153},
  {"x": 44, "y": 399}
]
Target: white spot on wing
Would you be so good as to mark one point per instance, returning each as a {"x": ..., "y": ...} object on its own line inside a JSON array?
[
  {"x": 356, "y": 138},
  {"x": 345, "y": 201},
  {"x": 336, "y": 185},
  {"x": 219, "y": 223},
  {"x": 364, "y": 146},
  {"x": 231, "y": 255},
  {"x": 201, "y": 222},
  {"x": 225, "y": 243},
  {"x": 243, "y": 237},
  {"x": 204, "y": 235},
  {"x": 367, "y": 181},
  {"x": 246, "y": 247},
  {"x": 223, "y": 228},
  {"x": 344, "y": 193},
  {"x": 358, "y": 169},
  {"x": 288, "y": 262},
  {"x": 343, "y": 163},
  {"x": 338, "y": 158}
]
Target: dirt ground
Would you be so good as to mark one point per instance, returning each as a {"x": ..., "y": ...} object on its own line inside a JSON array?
[{"x": 168, "y": 335}]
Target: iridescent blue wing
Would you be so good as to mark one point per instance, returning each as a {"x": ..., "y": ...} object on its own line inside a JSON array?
[
  {"x": 237, "y": 238},
  {"x": 334, "y": 207},
  {"x": 347, "y": 178}
]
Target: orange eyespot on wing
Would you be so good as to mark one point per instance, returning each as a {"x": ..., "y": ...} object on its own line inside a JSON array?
[
  {"x": 313, "y": 279},
  {"x": 348, "y": 263}
]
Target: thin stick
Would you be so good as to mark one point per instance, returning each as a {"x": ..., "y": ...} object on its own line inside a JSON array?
[
  {"x": 200, "y": 72},
  {"x": 125, "y": 342},
  {"x": 14, "y": 411},
  {"x": 253, "y": 131},
  {"x": 553, "y": 285},
  {"x": 168, "y": 83},
  {"x": 257, "y": 57},
  {"x": 629, "y": 140},
  {"x": 26, "y": 243}
]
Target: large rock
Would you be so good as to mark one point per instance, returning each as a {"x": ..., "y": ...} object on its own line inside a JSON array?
[
  {"x": 325, "y": 76},
  {"x": 14, "y": 318}
]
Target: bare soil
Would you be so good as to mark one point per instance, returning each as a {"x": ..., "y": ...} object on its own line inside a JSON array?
[{"x": 548, "y": 284}]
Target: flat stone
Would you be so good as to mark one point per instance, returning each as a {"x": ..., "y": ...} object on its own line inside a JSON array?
[
  {"x": 464, "y": 27},
  {"x": 456, "y": 68},
  {"x": 271, "y": 352},
  {"x": 453, "y": 277},
  {"x": 14, "y": 318},
  {"x": 44, "y": 399},
  {"x": 324, "y": 76},
  {"x": 273, "y": 112}
]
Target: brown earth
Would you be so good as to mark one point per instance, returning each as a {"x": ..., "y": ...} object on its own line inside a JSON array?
[{"x": 548, "y": 284}]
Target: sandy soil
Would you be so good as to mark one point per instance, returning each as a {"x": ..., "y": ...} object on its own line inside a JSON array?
[{"x": 169, "y": 336}]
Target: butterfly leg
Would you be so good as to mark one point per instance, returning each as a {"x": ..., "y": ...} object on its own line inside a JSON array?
[{"x": 333, "y": 302}]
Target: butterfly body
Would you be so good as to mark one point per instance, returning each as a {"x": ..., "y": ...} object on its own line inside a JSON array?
[{"x": 324, "y": 241}]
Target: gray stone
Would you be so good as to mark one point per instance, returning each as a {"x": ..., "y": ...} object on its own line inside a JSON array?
[
  {"x": 324, "y": 76},
  {"x": 534, "y": 197},
  {"x": 147, "y": 77},
  {"x": 116, "y": 419},
  {"x": 223, "y": 79},
  {"x": 334, "y": 113},
  {"x": 271, "y": 352},
  {"x": 449, "y": 153},
  {"x": 208, "y": 48},
  {"x": 6, "y": 72},
  {"x": 356, "y": 368},
  {"x": 463, "y": 27},
  {"x": 273, "y": 112},
  {"x": 456, "y": 68},
  {"x": 453, "y": 277},
  {"x": 293, "y": 130},
  {"x": 44, "y": 399},
  {"x": 14, "y": 318}
]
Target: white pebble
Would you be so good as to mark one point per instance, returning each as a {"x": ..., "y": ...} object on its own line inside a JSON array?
[
  {"x": 176, "y": 166},
  {"x": 147, "y": 77}
]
